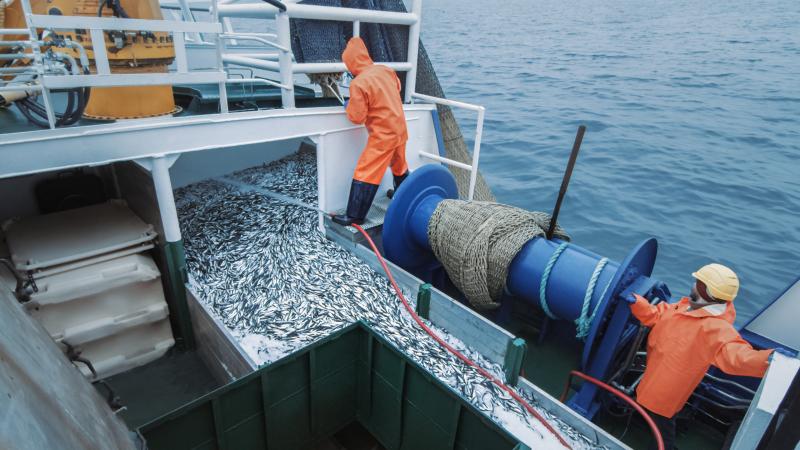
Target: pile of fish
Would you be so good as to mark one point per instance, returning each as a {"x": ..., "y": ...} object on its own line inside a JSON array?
[{"x": 271, "y": 277}]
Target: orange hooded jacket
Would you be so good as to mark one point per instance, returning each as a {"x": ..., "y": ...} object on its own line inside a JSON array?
[
  {"x": 375, "y": 101},
  {"x": 681, "y": 347}
]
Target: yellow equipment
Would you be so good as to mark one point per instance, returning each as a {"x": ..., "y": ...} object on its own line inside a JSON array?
[
  {"x": 129, "y": 51},
  {"x": 722, "y": 282}
]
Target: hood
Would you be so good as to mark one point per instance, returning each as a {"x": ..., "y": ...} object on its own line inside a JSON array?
[
  {"x": 355, "y": 56},
  {"x": 724, "y": 311}
]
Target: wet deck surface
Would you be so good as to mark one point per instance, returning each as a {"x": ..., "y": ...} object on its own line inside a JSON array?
[{"x": 155, "y": 389}]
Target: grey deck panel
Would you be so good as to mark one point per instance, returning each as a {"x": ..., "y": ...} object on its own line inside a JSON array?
[
  {"x": 46, "y": 401},
  {"x": 778, "y": 322},
  {"x": 218, "y": 349}
]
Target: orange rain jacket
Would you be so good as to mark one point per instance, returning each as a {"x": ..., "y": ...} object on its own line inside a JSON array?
[
  {"x": 681, "y": 347},
  {"x": 375, "y": 100}
]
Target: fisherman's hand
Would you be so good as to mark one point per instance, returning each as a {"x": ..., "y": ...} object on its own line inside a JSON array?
[
  {"x": 630, "y": 298},
  {"x": 784, "y": 352}
]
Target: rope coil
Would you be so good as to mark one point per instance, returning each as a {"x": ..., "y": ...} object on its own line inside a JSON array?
[
  {"x": 476, "y": 242},
  {"x": 583, "y": 323},
  {"x": 546, "y": 276}
]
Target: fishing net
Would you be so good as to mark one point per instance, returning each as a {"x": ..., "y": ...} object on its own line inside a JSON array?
[{"x": 476, "y": 242}]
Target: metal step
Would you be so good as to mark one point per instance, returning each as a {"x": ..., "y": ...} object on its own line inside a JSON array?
[{"x": 374, "y": 219}]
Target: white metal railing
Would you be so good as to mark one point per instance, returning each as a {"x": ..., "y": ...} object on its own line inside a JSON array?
[
  {"x": 285, "y": 65},
  {"x": 476, "y": 148},
  {"x": 104, "y": 77},
  {"x": 47, "y": 71},
  {"x": 279, "y": 59}
]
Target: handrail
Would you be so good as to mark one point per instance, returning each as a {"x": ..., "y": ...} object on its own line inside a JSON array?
[
  {"x": 476, "y": 148},
  {"x": 266, "y": 81},
  {"x": 282, "y": 12},
  {"x": 48, "y": 79},
  {"x": 277, "y": 4},
  {"x": 185, "y": 27},
  {"x": 315, "y": 12},
  {"x": 447, "y": 102},
  {"x": 246, "y": 37}
]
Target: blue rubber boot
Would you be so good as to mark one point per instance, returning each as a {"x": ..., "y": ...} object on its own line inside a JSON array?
[
  {"x": 398, "y": 180},
  {"x": 361, "y": 196}
]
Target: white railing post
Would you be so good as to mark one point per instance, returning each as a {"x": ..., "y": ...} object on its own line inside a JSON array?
[
  {"x": 101, "y": 63},
  {"x": 282, "y": 28},
  {"x": 356, "y": 28},
  {"x": 476, "y": 148},
  {"x": 476, "y": 152},
  {"x": 413, "y": 49},
  {"x": 223, "y": 85},
  {"x": 38, "y": 63},
  {"x": 188, "y": 15},
  {"x": 227, "y": 24},
  {"x": 166, "y": 200}
]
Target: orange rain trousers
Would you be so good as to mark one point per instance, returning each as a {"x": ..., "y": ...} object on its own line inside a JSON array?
[
  {"x": 375, "y": 101},
  {"x": 682, "y": 346},
  {"x": 373, "y": 163}
]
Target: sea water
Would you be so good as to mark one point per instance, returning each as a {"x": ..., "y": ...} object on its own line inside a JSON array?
[{"x": 692, "y": 111}]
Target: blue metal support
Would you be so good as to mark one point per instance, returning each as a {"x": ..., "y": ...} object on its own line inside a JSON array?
[{"x": 566, "y": 273}]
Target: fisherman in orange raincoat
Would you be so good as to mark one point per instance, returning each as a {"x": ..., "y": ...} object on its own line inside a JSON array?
[
  {"x": 686, "y": 338},
  {"x": 375, "y": 101}
]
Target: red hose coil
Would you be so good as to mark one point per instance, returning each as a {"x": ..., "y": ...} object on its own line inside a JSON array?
[
  {"x": 458, "y": 354},
  {"x": 620, "y": 394}
]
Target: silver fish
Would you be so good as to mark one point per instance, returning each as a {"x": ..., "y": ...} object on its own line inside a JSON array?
[{"x": 264, "y": 269}]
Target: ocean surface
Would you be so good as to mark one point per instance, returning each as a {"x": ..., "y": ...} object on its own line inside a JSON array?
[{"x": 693, "y": 117}]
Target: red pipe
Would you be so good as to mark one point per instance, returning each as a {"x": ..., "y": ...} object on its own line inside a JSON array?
[
  {"x": 458, "y": 354},
  {"x": 620, "y": 394}
]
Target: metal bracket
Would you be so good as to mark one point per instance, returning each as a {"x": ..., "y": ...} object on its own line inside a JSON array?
[{"x": 147, "y": 163}]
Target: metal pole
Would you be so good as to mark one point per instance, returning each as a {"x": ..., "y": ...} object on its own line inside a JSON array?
[
  {"x": 172, "y": 250},
  {"x": 413, "y": 49},
  {"x": 166, "y": 200},
  {"x": 188, "y": 16},
  {"x": 356, "y": 28},
  {"x": 322, "y": 181},
  {"x": 565, "y": 181},
  {"x": 285, "y": 59},
  {"x": 223, "y": 85},
  {"x": 476, "y": 152},
  {"x": 38, "y": 63}
]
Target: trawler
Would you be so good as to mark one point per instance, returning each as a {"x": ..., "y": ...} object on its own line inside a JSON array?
[{"x": 169, "y": 264}]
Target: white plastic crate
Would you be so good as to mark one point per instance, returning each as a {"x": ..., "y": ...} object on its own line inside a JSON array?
[
  {"x": 65, "y": 237},
  {"x": 99, "y": 300},
  {"x": 97, "y": 291},
  {"x": 130, "y": 348}
]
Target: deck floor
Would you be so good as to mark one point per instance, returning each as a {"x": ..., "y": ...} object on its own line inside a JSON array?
[{"x": 152, "y": 390}]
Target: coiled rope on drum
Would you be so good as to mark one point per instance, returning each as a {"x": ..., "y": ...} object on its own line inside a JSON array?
[
  {"x": 584, "y": 323},
  {"x": 477, "y": 241},
  {"x": 546, "y": 277}
]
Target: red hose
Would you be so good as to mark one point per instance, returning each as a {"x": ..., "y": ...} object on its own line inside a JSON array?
[
  {"x": 620, "y": 394},
  {"x": 455, "y": 352}
]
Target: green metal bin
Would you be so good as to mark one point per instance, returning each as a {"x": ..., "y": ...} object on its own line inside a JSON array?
[{"x": 306, "y": 397}]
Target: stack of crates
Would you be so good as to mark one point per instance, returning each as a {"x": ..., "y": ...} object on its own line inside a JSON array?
[{"x": 98, "y": 292}]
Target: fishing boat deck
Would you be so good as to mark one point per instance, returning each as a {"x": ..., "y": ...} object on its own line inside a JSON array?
[
  {"x": 182, "y": 376},
  {"x": 194, "y": 100}
]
